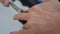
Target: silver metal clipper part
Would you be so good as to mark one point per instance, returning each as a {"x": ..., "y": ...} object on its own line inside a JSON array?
[
  {"x": 15, "y": 7},
  {"x": 19, "y": 11}
]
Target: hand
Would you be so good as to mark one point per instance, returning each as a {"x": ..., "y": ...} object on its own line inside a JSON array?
[
  {"x": 41, "y": 19},
  {"x": 5, "y": 2}
]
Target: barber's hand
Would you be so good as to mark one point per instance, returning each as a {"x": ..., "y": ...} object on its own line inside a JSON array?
[
  {"x": 5, "y": 2},
  {"x": 41, "y": 19}
]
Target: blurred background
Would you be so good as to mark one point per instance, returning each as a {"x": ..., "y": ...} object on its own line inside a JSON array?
[{"x": 7, "y": 24}]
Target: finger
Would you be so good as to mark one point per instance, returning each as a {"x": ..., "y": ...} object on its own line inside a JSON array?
[
  {"x": 5, "y": 2},
  {"x": 21, "y": 16},
  {"x": 14, "y": 32}
]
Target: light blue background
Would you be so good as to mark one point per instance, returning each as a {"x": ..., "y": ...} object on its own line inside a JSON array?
[{"x": 7, "y": 24}]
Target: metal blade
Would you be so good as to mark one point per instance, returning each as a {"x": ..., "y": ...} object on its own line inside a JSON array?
[{"x": 15, "y": 7}]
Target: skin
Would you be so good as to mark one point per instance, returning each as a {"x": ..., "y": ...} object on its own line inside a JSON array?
[
  {"x": 5, "y": 2},
  {"x": 41, "y": 19}
]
